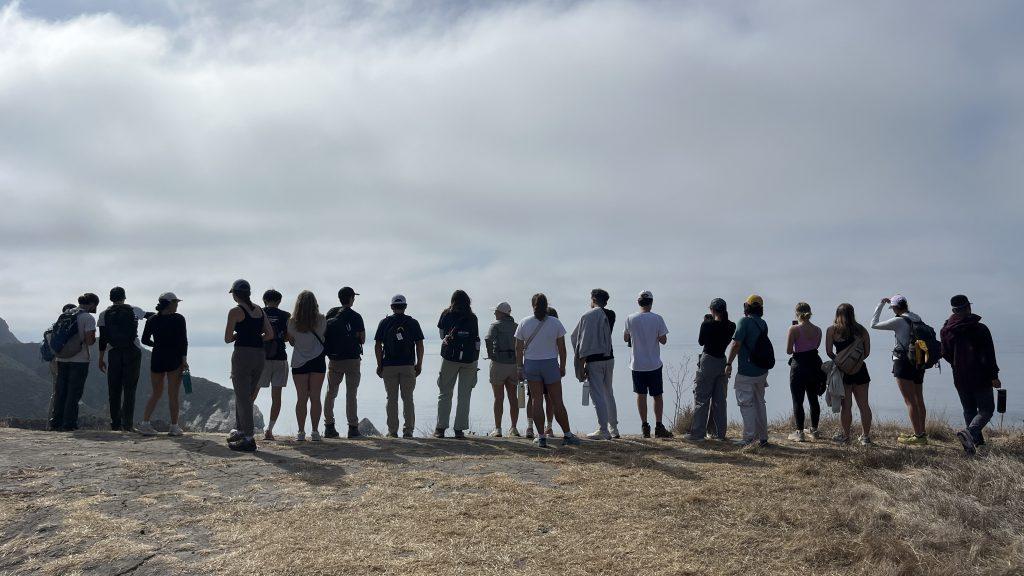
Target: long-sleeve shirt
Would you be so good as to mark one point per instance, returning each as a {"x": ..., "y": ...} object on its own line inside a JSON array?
[
  {"x": 166, "y": 333},
  {"x": 897, "y": 324}
]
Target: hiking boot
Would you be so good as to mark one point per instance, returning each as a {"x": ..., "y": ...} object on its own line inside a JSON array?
[
  {"x": 570, "y": 440},
  {"x": 460, "y": 434},
  {"x": 914, "y": 440},
  {"x": 353, "y": 432},
  {"x": 243, "y": 445},
  {"x": 967, "y": 441},
  {"x": 496, "y": 433},
  {"x": 865, "y": 440},
  {"x": 614, "y": 431},
  {"x": 330, "y": 431},
  {"x": 814, "y": 434},
  {"x": 661, "y": 432},
  {"x": 406, "y": 434},
  {"x": 314, "y": 435},
  {"x": 541, "y": 442},
  {"x": 645, "y": 429},
  {"x": 599, "y": 435},
  {"x": 146, "y": 429},
  {"x": 175, "y": 430},
  {"x": 438, "y": 432},
  {"x": 797, "y": 436}
]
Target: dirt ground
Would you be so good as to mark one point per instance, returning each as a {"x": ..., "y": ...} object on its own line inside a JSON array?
[{"x": 108, "y": 503}]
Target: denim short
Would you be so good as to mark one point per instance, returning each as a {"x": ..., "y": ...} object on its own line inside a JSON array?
[{"x": 546, "y": 371}]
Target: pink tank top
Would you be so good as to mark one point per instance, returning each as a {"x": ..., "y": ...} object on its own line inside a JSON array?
[{"x": 803, "y": 344}]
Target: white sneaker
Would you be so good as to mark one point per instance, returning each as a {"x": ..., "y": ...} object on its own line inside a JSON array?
[
  {"x": 513, "y": 432},
  {"x": 599, "y": 435},
  {"x": 614, "y": 431},
  {"x": 301, "y": 436},
  {"x": 865, "y": 440},
  {"x": 146, "y": 429},
  {"x": 797, "y": 436},
  {"x": 814, "y": 434},
  {"x": 496, "y": 433},
  {"x": 315, "y": 436},
  {"x": 175, "y": 430}
]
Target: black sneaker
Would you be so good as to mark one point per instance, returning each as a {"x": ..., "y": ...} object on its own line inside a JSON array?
[
  {"x": 438, "y": 432},
  {"x": 661, "y": 432},
  {"x": 330, "y": 431},
  {"x": 392, "y": 435},
  {"x": 243, "y": 445},
  {"x": 646, "y": 429},
  {"x": 353, "y": 432},
  {"x": 235, "y": 436},
  {"x": 459, "y": 434},
  {"x": 967, "y": 441},
  {"x": 406, "y": 434}
]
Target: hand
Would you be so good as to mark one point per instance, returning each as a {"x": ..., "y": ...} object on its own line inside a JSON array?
[
  {"x": 728, "y": 371},
  {"x": 103, "y": 366},
  {"x": 519, "y": 374},
  {"x": 561, "y": 370},
  {"x": 380, "y": 372},
  {"x": 419, "y": 368},
  {"x": 996, "y": 383},
  {"x": 184, "y": 365},
  {"x": 886, "y": 301}
]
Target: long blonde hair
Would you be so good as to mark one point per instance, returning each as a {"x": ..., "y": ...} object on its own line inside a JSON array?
[
  {"x": 846, "y": 325},
  {"x": 306, "y": 312}
]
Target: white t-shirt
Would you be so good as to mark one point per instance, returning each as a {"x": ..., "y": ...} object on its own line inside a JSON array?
[
  {"x": 644, "y": 329},
  {"x": 86, "y": 324},
  {"x": 140, "y": 315},
  {"x": 544, "y": 345}
]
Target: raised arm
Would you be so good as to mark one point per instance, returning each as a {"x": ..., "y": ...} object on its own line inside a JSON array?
[{"x": 889, "y": 324}]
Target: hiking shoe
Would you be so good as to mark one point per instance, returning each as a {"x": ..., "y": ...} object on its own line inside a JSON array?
[
  {"x": 840, "y": 438},
  {"x": 233, "y": 436},
  {"x": 460, "y": 434},
  {"x": 406, "y": 434},
  {"x": 797, "y": 436},
  {"x": 268, "y": 436},
  {"x": 301, "y": 436},
  {"x": 570, "y": 440},
  {"x": 529, "y": 433},
  {"x": 438, "y": 432},
  {"x": 967, "y": 441},
  {"x": 661, "y": 432},
  {"x": 353, "y": 432},
  {"x": 514, "y": 432},
  {"x": 330, "y": 431},
  {"x": 243, "y": 445},
  {"x": 914, "y": 440},
  {"x": 315, "y": 436},
  {"x": 496, "y": 433},
  {"x": 865, "y": 440},
  {"x": 614, "y": 431},
  {"x": 175, "y": 430},
  {"x": 599, "y": 435},
  {"x": 645, "y": 429},
  {"x": 541, "y": 442},
  {"x": 549, "y": 432},
  {"x": 392, "y": 435},
  {"x": 813, "y": 433},
  {"x": 146, "y": 429}
]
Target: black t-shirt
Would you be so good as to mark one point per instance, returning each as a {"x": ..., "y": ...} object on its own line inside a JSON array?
[
  {"x": 715, "y": 336},
  {"x": 279, "y": 322},
  {"x": 405, "y": 350},
  {"x": 611, "y": 326},
  {"x": 465, "y": 332},
  {"x": 354, "y": 325}
]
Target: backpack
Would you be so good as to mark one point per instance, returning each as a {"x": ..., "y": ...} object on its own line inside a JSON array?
[
  {"x": 850, "y": 360},
  {"x": 503, "y": 346},
  {"x": 63, "y": 338},
  {"x": 275, "y": 348},
  {"x": 396, "y": 344},
  {"x": 763, "y": 353},
  {"x": 462, "y": 343},
  {"x": 925, "y": 348},
  {"x": 340, "y": 340},
  {"x": 120, "y": 326}
]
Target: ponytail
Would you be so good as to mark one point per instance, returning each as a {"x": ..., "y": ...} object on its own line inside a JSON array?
[
  {"x": 724, "y": 315},
  {"x": 803, "y": 311},
  {"x": 162, "y": 305},
  {"x": 540, "y": 306}
]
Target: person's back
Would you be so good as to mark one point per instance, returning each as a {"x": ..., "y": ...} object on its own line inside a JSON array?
[
  {"x": 501, "y": 342},
  {"x": 542, "y": 336},
  {"x": 748, "y": 330},
  {"x": 344, "y": 340},
  {"x": 646, "y": 333},
  {"x": 645, "y": 329},
  {"x": 715, "y": 336},
  {"x": 398, "y": 346}
]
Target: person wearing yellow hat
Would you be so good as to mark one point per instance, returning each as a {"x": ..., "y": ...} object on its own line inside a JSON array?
[{"x": 756, "y": 357}]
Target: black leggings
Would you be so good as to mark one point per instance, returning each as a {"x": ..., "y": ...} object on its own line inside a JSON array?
[{"x": 803, "y": 381}]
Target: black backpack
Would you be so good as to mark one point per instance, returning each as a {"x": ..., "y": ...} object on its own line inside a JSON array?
[
  {"x": 340, "y": 340},
  {"x": 397, "y": 343},
  {"x": 279, "y": 322},
  {"x": 463, "y": 342},
  {"x": 62, "y": 340},
  {"x": 763, "y": 353},
  {"x": 120, "y": 326},
  {"x": 919, "y": 331}
]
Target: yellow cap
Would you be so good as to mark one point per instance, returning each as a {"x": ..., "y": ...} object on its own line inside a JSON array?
[{"x": 755, "y": 299}]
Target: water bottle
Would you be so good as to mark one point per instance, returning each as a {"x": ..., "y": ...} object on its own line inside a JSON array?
[
  {"x": 521, "y": 394},
  {"x": 186, "y": 381},
  {"x": 586, "y": 392}
]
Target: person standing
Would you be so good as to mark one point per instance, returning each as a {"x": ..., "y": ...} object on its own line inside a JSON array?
[
  {"x": 165, "y": 332},
  {"x": 398, "y": 346},
  {"x": 909, "y": 376},
  {"x": 710, "y": 382},
  {"x": 540, "y": 356},
  {"x": 752, "y": 377},
  {"x": 119, "y": 329},
  {"x": 73, "y": 366},
  {"x": 460, "y": 350},
  {"x": 53, "y": 367},
  {"x": 247, "y": 328},
  {"x": 306, "y": 330},
  {"x": 646, "y": 333},
  {"x": 805, "y": 374},
  {"x": 592, "y": 351},
  {"x": 967, "y": 346},
  {"x": 847, "y": 336},
  {"x": 344, "y": 340},
  {"x": 501, "y": 349},
  {"x": 275, "y": 369}
]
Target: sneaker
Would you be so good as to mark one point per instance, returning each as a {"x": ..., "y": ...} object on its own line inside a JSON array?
[
  {"x": 514, "y": 432},
  {"x": 661, "y": 432},
  {"x": 353, "y": 432},
  {"x": 301, "y": 436},
  {"x": 742, "y": 442},
  {"x": 549, "y": 432},
  {"x": 438, "y": 432},
  {"x": 243, "y": 445},
  {"x": 268, "y": 436},
  {"x": 314, "y": 436},
  {"x": 330, "y": 431},
  {"x": 570, "y": 440},
  {"x": 541, "y": 442},
  {"x": 391, "y": 435},
  {"x": 967, "y": 441},
  {"x": 496, "y": 433},
  {"x": 146, "y": 429},
  {"x": 840, "y": 438},
  {"x": 460, "y": 434},
  {"x": 529, "y": 433},
  {"x": 599, "y": 435},
  {"x": 175, "y": 430},
  {"x": 914, "y": 440},
  {"x": 233, "y": 436},
  {"x": 614, "y": 431},
  {"x": 645, "y": 428},
  {"x": 692, "y": 438},
  {"x": 814, "y": 434},
  {"x": 865, "y": 440},
  {"x": 764, "y": 444},
  {"x": 406, "y": 434},
  {"x": 797, "y": 436}
]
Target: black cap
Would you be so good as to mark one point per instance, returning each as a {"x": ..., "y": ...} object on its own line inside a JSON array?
[
  {"x": 240, "y": 286},
  {"x": 117, "y": 294},
  {"x": 959, "y": 302},
  {"x": 718, "y": 305},
  {"x": 346, "y": 293}
]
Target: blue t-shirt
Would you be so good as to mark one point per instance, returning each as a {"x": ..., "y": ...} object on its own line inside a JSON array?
[{"x": 747, "y": 332}]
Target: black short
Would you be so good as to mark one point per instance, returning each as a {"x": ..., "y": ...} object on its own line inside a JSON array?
[
  {"x": 317, "y": 365},
  {"x": 648, "y": 382},
  {"x": 904, "y": 369},
  {"x": 163, "y": 361}
]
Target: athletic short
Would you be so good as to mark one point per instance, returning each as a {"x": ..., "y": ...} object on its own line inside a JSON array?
[
  {"x": 317, "y": 365},
  {"x": 275, "y": 373},
  {"x": 648, "y": 382},
  {"x": 545, "y": 371},
  {"x": 904, "y": 369},
  {"x": 502, "y": 374}
]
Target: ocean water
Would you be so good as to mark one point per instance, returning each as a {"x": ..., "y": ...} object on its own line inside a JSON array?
[{"x": 214, "y": 362}]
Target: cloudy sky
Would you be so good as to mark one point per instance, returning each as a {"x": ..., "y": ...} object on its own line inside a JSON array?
[{"x": 814, "y": 151}]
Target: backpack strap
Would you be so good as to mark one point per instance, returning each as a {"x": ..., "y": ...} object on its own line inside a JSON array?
[{"x": 540, "y": 324}]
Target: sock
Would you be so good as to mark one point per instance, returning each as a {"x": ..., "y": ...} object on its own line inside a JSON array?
[{"x": 270, "y": 427}]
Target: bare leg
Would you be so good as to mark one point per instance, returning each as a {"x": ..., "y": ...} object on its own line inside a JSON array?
[
  {"x": 860, "y": 393},
  {"x": 154, "y": 396},
  {"x": 316, "y": 384},
  {"x": 275, "y": 402},
  {"x": 907, "y": 389},
  {"x": 549, "y": 411},
  {"x": 846, "y": 414},
  {"x": 499, "y": 401},
  {"x": 659, "y": 407},
  {"x": 922, "y": 412},
  {"x": 641, "y": 406},
  {"x": 513, "y": 403},
  {"x": 558, "y": 407},
  {"x": 173, "y": 393},
  {"x": 302, "y": 391},
  {"x": 537, "y": 405}
]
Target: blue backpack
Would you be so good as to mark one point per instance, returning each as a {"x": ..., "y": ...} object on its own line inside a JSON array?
[{"x": 62, "y": 339}]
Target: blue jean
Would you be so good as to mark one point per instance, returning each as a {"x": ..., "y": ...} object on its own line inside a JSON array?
[{"x": 979, "y": 405}]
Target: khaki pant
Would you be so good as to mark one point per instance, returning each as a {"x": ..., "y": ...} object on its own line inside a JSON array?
[
  {"x": 465, "y": 374},
  {"x": 338, "y": 370},
  {"x": 750, "y": 397},
  {"x": 400, "y": 380}
]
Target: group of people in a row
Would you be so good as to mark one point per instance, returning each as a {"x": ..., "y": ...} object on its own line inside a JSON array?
[{"x": 528, "y": 358}]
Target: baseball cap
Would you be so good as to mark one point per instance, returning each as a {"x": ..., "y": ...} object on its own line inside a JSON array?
[
  {"x": 240, "y": 286},
  {"x": 504, "y": 308},
  {"x": 646, "y": 295},
  {"x": 169, "y": 297},
  {"x": 346, "y": 293},
  {"x": 117, "y": 294},
  {"x": 959, "y": 302},
  {"x": 718, "y": 305},
  {"x": 398, "y": 300},
  {"x": 898, "y": 300},
  {"x": 754, "y": 299}
]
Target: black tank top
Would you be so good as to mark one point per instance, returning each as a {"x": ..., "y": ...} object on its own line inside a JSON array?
[{"x": 249, "y": 332}]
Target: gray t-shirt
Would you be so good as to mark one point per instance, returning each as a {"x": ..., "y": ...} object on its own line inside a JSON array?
[{"x": 86, "y": 324}]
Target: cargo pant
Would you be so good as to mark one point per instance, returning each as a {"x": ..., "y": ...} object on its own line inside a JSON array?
[
  {"x": 246, "y": 368},
  {"x": 709, "y": 394},
  {"x": 338, "y": 370},
  {"x": 400, "y": 380},
  {"x": 750, "y": 397},
  {"x": 466, "y": 375}
]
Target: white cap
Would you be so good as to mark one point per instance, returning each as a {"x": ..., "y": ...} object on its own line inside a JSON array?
[
  {"x": 646, "y": 295},
  {"x": 169, "y": 297},
  {"x": 398, "y": 299},
  {"x": 504, "y": 308}
]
